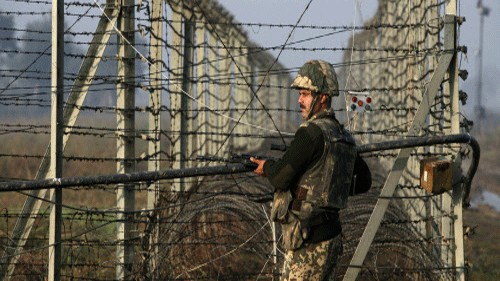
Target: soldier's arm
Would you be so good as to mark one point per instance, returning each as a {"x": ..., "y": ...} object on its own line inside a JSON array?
[{"x": 305, "y": 149}]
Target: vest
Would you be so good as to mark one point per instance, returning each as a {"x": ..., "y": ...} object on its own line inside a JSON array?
[
  {"x": 322, "y": 188},
  {"x": 326, "y": 184}
]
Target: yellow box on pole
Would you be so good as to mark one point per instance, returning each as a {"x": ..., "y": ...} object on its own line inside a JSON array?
[{"x": 436, "y": 175}]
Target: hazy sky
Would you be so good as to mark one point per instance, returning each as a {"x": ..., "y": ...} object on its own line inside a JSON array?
[{"x": 347, "y": 12}]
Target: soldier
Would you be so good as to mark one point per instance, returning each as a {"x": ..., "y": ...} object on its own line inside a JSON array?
[{"x": 312, "y": 179}]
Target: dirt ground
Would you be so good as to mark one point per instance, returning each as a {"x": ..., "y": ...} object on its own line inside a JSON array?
[{"x": 482, "y": 244}]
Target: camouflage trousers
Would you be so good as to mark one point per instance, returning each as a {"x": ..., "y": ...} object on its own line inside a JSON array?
[{"x": 313, "y": 262}]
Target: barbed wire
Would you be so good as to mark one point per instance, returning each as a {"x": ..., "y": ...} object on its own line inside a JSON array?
[{"x": 223, "y": 216}]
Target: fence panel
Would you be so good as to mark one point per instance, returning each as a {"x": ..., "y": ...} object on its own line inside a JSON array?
[{"x": 189, "y": 91}]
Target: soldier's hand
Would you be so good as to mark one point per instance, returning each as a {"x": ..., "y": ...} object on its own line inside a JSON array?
[{"x": 260, "y": 166}]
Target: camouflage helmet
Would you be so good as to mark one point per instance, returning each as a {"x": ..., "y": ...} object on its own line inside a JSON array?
[{"x": 318, "y": 76}]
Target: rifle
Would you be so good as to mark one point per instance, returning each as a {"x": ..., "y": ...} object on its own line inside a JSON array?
[
  {"x": 243, "y": 158},
  {"x": 235, "y": 158}
]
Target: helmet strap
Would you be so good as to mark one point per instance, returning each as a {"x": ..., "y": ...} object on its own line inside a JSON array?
[{"x": 313, "y": 104}]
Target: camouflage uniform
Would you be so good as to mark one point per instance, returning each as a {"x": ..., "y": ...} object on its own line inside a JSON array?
[
  {"x": 313, "y": 261},
  {"x": 308, "y": 207}
]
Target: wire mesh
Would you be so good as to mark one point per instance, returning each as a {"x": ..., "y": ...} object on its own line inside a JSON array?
[{"x": 210, "y": 91}]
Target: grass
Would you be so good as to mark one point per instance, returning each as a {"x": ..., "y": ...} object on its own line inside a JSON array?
[{"x": 482, "y": 248}]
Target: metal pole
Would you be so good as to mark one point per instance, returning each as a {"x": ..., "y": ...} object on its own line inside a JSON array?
[
  {"x": 187, "y": 105},
  {"x": 225, "y": 89},
  {"x": 480, "y": 111},
  {"x": 125, "y": 195},
  {"x": 240, "y": 100},
  {"x": 446, "y": 200},
  {"x": 182, "y": 62},
  {"x": 213, "y": 71},
  {"x": 154, "y": 145},
  {"x": 201, "y": 88},
  {"x": 434, "y": 206},
  {"x": 176, "y": 90},
  {"x": 456, "y": 201},
  {"x": 56, "y": 138},
  {"x": 233, "y": 168}
]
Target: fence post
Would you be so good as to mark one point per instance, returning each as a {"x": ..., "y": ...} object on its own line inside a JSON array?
[
  {"x": 453, "y": 114},
  {"x": 182, "y": 73},
  {"x": 187, "y": 120},
  {"x": 261, "y": 90},
  {"x": 226, "y": 91},
  {"x": 211, "y": 100},
  {"x": 201, "y": 87},
  {"x": 154, "y": 132},
  {"x": 176, "y": 91},
  {"x": 56, "y": 138},
  {"x": 239, "y": 91},
  {"x": 125, "y": 194}
]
